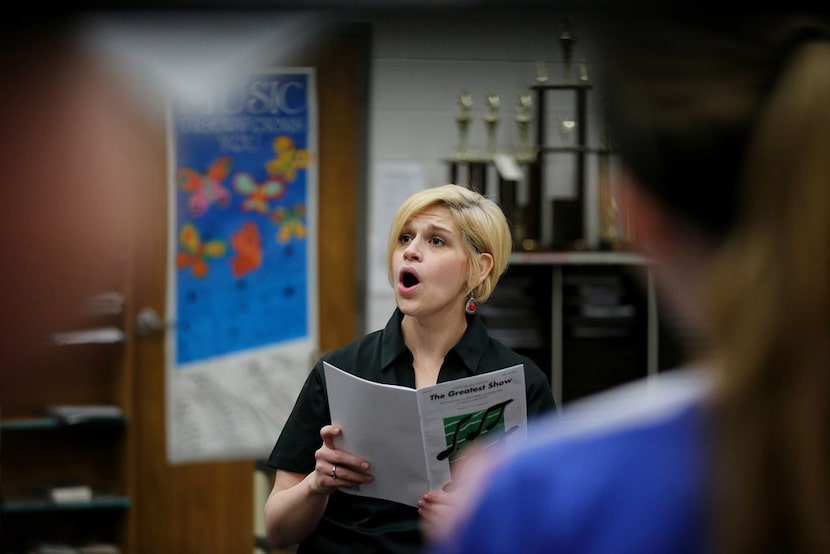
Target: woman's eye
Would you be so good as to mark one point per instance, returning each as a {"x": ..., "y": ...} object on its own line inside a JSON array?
[
  {"x": 436, "y": 241},
  {"x": 404, "y": 239}
]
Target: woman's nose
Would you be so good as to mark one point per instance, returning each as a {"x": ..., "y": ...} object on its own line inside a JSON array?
[{"x": 412, "y": 252}]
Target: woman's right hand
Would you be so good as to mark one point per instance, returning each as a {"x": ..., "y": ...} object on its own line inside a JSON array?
[
  {"x": 298, "y": 500},
  {"x": 338, "y": 468}
]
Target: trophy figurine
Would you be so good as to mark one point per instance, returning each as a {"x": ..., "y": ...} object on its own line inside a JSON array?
[
  {"x": 567, "y": 126},
  {"x": 567, "y": 40},
  {"x": 491, "y": 120},
  {"x": 583, "y": 71},
  {"x": 523, "y": 122},
  {"x": 609, "y": 213},
  {"x": 465, "y": 105},
  {"x": 541, "y": 72}
]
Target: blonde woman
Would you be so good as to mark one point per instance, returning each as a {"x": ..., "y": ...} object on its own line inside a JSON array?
[{"x": 448, "y": 247}]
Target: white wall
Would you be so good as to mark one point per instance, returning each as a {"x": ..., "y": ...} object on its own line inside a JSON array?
[{"x": 419, "y": 66}]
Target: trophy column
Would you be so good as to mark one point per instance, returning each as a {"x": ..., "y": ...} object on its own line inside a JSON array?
[{"x": 465, "y": 158}]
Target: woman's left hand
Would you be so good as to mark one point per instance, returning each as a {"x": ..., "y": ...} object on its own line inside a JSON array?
[
  {"x": 441, "y": 510},
  {"x": 435, "y": 507}
]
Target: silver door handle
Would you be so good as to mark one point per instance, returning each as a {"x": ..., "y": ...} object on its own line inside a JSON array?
[{"x": 148, "y": 322}]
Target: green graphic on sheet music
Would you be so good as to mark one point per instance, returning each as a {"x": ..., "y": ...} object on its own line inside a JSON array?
[{"x": 462, "y": 429}]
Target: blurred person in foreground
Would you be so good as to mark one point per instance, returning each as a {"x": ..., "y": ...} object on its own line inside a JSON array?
[
  {"x": 448, "y": 247},
  {"x": 722, "y": 124},
  {"x": 75, "y": 148}
]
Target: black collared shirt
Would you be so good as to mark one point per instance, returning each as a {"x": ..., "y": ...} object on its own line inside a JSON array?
[{"x": 360, "y": 524}]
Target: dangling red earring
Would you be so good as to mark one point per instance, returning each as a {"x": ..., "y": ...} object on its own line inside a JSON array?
[{"x": 471, "y": 306}]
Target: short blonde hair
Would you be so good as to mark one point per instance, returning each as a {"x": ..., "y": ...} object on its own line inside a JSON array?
[{"x": 481, "y": 221}]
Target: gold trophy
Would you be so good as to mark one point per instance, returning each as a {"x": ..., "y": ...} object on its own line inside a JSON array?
[
  {"x": 491, "y": 120},
  {"x": 465, "y": 105},
  {"x": 567, "y": 128},
  {"x": 567, "y": 40},
  {"x": 541, "y": 72},
  {"x": 583, "y": 71},
  {"x": 609, "y": 213},
  {"x": 523, "y": 117}
]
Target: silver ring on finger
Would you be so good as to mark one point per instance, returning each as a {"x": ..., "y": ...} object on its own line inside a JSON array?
[{"x": 334, "y": 472}]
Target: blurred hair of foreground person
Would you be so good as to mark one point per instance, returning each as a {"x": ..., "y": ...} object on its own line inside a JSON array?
[{"x": 722, "y": 124}]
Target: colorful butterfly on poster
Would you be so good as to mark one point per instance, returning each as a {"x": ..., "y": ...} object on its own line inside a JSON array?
[
  {"x": 206, "y": 188},
  {"x": 257, "y": 195},
  {"x": 194, "y": 253},
  {"x": 290, "y": 221},
  {"x": 288, "y": 159},
  {"x": 247, "y": 242}
]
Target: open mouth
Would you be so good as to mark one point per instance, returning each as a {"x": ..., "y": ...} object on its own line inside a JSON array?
[{"x": 408, "y": 279}]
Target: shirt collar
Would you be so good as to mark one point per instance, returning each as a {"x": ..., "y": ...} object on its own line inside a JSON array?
[
  {"x": 470, "y": 349},
  {"x": 392, "y": 345}
]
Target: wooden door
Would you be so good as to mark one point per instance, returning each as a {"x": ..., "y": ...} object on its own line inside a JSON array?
[{"x": 208, "y": 507}]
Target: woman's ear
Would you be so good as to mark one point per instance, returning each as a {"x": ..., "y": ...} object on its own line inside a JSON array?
[{"x": 485, "y": 264}]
